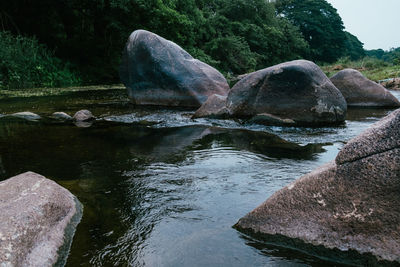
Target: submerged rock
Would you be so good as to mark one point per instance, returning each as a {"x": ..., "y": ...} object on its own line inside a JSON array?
[
  {"x": 37, "y": 221},
  {"x": 296, "y": 93},
  {"x": 268, "y": 119},
  {"x": 159, "y": 72},
  {"x": 27, "y": 115},
  {"x": 360, "y": 91},
  {"x": 83, "y": 115},
  {"x": 347, "y": 210}
]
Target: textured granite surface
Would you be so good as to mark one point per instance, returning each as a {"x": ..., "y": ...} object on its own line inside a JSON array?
[{"x": 37, "y": 221}]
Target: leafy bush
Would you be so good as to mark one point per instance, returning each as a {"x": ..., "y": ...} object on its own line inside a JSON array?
[{"x": 24, "y": 63}]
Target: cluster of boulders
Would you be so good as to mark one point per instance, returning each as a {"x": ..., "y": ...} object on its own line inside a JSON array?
[
  {"x": 82, "y": 118},
  {"x": 295, "y": 92},
  {"x": 346, "y": 211},
  {"x": 158, "y": 72}
]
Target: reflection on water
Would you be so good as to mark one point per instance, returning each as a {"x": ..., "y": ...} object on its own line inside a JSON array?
[{"x": 160, "y": 189}]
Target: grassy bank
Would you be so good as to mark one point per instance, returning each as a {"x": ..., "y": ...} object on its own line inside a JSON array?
[
  {"x": 6, "y": 94},
  {"x": 373, "y": 69}
]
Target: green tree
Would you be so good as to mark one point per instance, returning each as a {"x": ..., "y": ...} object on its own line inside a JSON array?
[
  {"x": 320, "y": 25},
  {"x": 232, "y": 35},
  {"x": 253, "y": 29},
  {"x": 392, "y": 56},
  {"x": 354, "y": 48},
  {"x": 377, "y": 53}
]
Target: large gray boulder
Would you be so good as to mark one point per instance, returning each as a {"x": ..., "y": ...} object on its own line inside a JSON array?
[
  {"x": 37, "y": 221},
  {"x": 295, "y": 93},
  {"x": 346, "y": 211},
  {"x": 360, "y": 91},
  {"x": 159, "y": 72}
]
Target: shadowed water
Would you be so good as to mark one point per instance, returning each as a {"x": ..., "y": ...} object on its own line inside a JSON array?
[{"x": 160, "y": 189}]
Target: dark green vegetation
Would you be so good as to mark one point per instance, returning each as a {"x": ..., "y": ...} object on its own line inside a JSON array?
[
  {"x": 235, "y": 36},
  {"x": 25, "y": 64},
  {"x": 391, "y": 56}
]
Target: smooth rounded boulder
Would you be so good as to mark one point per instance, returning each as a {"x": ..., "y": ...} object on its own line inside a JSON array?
[
  {"x": 83, "y": 115},
  {"x": 157, "y": 71},
  {"x": 359, "y": 91},
  {"x": 293, "y": 93},
  {"x": 62, "y": 116},
  {"x": 37, "y": 221},
  {"x": 346, "y": 211}
]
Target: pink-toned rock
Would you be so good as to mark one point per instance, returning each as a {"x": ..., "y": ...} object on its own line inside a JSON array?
[
  {"x": 360, "y": 91},
  {"x": 291, "y": 93},
  {"x": 37, "y": 221},
  {"x": 214, "y": 107},
  {"x": 83, "y": 115},
  {"x": 157, "y": 71},
  {"x": 297, "y": 90},
  {"x": 346, "y": 211}
]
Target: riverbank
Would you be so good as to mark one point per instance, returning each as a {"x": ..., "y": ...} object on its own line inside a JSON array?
[{"x": 58, "y": 91}]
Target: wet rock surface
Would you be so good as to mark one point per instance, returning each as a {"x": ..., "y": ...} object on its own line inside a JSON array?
[
  {"x": 27, "y": 115},
  {"x": 62, "y": 116},
  {"x": 214, "y": 107},
  {"x": 159, "y": 72},
  {"x": 347, "y": 210},
  {"x": 83, "y": 116},
  {"x": 360, "y": 91},
  {"x": 37, "y": 221},
  {"x": 295, "y": 92}
]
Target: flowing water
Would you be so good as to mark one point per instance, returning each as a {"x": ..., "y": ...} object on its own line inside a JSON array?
[{"x": 160, "y": 189}]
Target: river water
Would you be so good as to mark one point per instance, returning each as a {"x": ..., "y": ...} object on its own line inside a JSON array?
[{"x": 160, "y": 189}]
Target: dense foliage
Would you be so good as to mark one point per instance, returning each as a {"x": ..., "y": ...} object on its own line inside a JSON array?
[
  {"x": 320, "y": 25},
  {"x": 391, "y": 56},
  {"x": 24, "y": 63},
  {"x": 235, "y": 36},
  {"x": 353, "y": 47}
]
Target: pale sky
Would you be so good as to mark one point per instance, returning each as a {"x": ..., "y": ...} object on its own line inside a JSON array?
[{"x": 376, "y": 23}]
